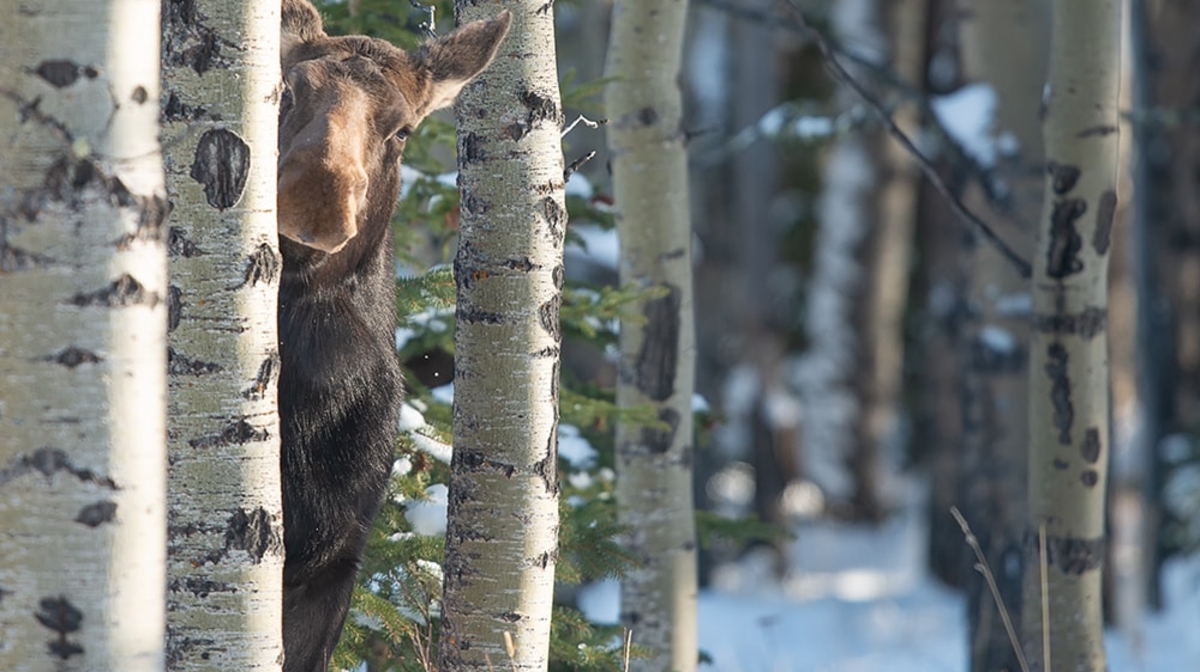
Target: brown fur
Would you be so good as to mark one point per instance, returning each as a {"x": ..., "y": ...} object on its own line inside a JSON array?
[{"x": 350, "y": 104}]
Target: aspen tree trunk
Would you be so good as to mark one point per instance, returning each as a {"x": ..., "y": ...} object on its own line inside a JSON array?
[
  {"x": 657, "y": 342},
  {"x": 502, "y": 532},
  {"x": 82, "y": 338},
  {"x": 995, "y": 348},
  {"x": 225, "y": 551},
  {"x": 1069, "y": 399}
]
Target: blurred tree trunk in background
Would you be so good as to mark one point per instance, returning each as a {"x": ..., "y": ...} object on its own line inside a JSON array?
[
  {"x": 938, "y": 289},
  {"x": 657, "y": 367},
  {"x": 1166, "y": 247},
  {"x": 851, "y": 376},
  {"x": 502, "y": 527},
  {"x": 1069, "y": 439},
  {"x": 83, "y": 318},
  {"x": 995, "y": 345},
  {"x": 225, "y": 598}
]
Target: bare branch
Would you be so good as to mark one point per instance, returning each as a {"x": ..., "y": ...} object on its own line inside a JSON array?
[
  {"x": 842, "y": 76},
  {"x": 430, "y": 24}
]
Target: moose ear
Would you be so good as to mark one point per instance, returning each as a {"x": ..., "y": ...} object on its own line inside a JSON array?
[
  {"x": 455, "y": 59},
  {"x": 300, "y": 23}
]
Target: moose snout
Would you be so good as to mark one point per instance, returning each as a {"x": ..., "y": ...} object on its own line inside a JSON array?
[{"x": 320, "y": 195}]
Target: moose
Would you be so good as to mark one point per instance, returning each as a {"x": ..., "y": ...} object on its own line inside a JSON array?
[{"x": 348, "y": 106}]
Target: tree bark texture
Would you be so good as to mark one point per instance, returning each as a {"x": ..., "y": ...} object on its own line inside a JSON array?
[
  {"x": 225, "y": 550},
  {"x": 657, "y": 342},
  {"x": 995, "y": 346},
  {"x": 502, "y": 532},
  {"x": 1069, "y": 396},
  {"x": 82, "y": 338}
]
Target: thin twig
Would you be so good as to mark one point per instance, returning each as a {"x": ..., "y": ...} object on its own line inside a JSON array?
[
  {"x": 428, "y": 27},
  {"x": 626, "y": 646},
  {"x": 576, "y": 165},
  {"x": 1042, "y": 562},
  {"x": 985, "y": 569},
  {"x": 839, "y": 73},
  {"x": 585, "y": 121}
]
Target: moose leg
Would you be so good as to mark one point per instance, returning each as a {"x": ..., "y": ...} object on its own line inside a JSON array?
[{"x": 313, "y": 615}]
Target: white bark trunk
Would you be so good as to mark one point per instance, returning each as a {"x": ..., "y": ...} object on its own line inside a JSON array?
[
  {"x": 502, "y": 532},
  {"x": 1069, "y": 383},
  {"x": 225, "y": 533},
  {"x": 82, "y": 338},
  {"x": 654, "y": 465}
]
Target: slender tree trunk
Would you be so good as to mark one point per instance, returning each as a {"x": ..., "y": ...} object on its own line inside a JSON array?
[
  {"x": 1069, "y": 398},
  {"x": 654, "y": 464},
  {"x": 82, "y": 338},
  {"x": 225, "y": 553},
  {"x": 502, "y": 533},
  {"x": 995, "y": 348}
]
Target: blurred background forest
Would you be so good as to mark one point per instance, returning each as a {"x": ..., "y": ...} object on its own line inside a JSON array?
[{"x": 861, "y": 350}]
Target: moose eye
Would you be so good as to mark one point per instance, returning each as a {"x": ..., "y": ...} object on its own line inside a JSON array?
[{"x": 403, "y": 133}]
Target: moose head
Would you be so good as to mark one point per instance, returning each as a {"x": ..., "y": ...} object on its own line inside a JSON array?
[{"x": 350, "y": 104}]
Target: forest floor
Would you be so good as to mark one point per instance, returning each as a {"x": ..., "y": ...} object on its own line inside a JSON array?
[{"x": 858, "y": 599}]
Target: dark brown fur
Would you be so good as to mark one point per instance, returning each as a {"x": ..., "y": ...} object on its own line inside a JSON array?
[{"x": 350, "y": 104}]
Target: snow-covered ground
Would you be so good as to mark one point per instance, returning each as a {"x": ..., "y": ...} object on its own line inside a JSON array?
[{"x": 858, "y": 600}]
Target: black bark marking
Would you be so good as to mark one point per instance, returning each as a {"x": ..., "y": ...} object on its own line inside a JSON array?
[
  {"x": 188, "y": 42},
  {"x": 1091, "y": 445},
  {"x": 515, "y": 131},
  {"x": 1060, "y": 463},
  {"x": 1087, "y": 324},
  {"x": 647, "y": 116},
  {"x": 1089, "y": 478},
  {"x": 14, "y": 259},
  {"x": 264, "y": 380},
  {"x": 174, "y": 307},
  {"x": 122, "y": 292},
  {"x": 96, "y": 514},
  {"x": 251, "y": 532},
  {"x": 1062, "y": 255},
  {"x": 236, "y": 433},
  {"x": 199, "y": 586},
  {"x": 62, "y": 618},
  {"x": 559, "y": 276},
  {"x": 1062, "y": 178},
  {"x": 540, "y": 109},
  {"x": 72, "y": 357},
  {"x": 63, "y": 73},
  {"x": 49, "y": 461},
  {"x": 221, "y": 164},
  {"x": 985, "y": 358},
  {"x": 1101, "y": 130},
  {"x": 179, "y": 245},
  {"x": 556, "y": 218},
  {"x": 476, "y": 316},
  {"x": 470, "y": 149},
  {"x": 658, "y": 441},
  {"x": 659, "y": 354},
  {"x": 1104, "y": 221},
  {"x": 1071, "y": 555},
  {"x": 524, "y": 264},
  {"x": 180, "y": 365},
  {"x": 1060, "y": 391},
  {"x": 263, "y": 265},
  {"x": 548, "y": 316},
  {"x": 174, "y": 109},
  {"x": 510, "y": 616},
  {"x": 139, "y": 95}
]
